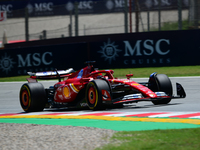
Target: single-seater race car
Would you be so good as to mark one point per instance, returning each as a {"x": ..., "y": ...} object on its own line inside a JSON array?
[{"x": 94, "y": 89}]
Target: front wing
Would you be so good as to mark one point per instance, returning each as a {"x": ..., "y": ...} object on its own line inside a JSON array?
[{"x": 160, "y": 96}]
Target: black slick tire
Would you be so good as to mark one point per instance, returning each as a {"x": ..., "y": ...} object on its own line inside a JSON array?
[
  {"x": 161, "y": 83},
  {"x": 32, "y": 97},
  {"x": 94, "y": 93}
]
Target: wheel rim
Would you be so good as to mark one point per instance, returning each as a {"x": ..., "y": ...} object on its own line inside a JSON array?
[
  {"x": 25, "y": 98},
  {"x": 92, "y": 95}
]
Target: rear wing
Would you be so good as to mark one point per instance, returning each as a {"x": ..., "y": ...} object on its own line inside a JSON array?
[{"x": 48, "y": 75}]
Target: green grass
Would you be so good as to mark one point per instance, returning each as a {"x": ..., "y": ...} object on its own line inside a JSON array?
[
  {"x": 12, "y": 79},
  {"x": 175, "y": 139},
  {"x": 137, "y": 72},
  {"x": 172, "y": 26},
  {"x": 170, "y": 71}
]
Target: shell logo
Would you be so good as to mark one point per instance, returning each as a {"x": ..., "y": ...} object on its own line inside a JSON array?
[
  {"x": 135, "y": 84},
  {"x": 66, "y": 91}
]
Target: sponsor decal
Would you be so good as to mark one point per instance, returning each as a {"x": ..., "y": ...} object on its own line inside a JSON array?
[
  {"x": 40, "y": 8},
  {"x": 115, "y": 5},
  {"x": 151, "y": 3},
  {"x": 45, "y": 73},
  {"x": 126, "y": 81},
  {"x": 83, "y": 6},
  {"x": 109, "y": 51},
  {"x": 140, "y": 52},
  {"x": 6, "y": 63},
  {"x": 30, "y": 8},
  {"x": 80, "y": 74},
  {"x": 66, "y": 92},
  {"x": 27, "y": 63},
  {"x": 53, "y": 7},
  {"x": 60, "y": 97},
  {"x": 105, "y": 95},
  {"x": 35, "y": 59},
  {"x": 83, "y": 104},
  {"x": 58, "y": 94},
  {"x": 6, "y": 8},
  {"x": 110, "y": 4},
  {"x": 132, "y": 96},
  {"x": 69, "y": 6},
  {"x": 3, "y": 16},
  {"x": 135, "y": 84},
  {"x": 160, "y": 93},
  {"x": 73, "y": 88},
  {"x": 152, "y": 95}
]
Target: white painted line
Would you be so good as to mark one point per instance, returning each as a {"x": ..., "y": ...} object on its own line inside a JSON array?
[
  {"x": 35, "y": 113},
  {"x": 196, "y": 117},
  {"x": 126, "y": 114},
  {"x": 170, "y": 114}
]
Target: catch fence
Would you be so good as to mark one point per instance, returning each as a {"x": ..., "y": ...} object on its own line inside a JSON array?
[{"x": 45, "y": 20}]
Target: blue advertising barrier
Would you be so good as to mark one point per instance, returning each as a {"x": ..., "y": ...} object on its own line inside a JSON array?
[
  {"x": 132, "y": 50},
  {"x": 19, "y": 61},
  {"x": 152, "y": 49},
  {"x": 15, "y": 8}
]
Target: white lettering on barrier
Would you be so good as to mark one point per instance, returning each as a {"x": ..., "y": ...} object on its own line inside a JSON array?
[
  {"x": 148, "y": 45},
  {"x": 44, "y": 7},
  {"x": 147, "y": 61},
  {"x": 85, "y": 5},
  {"x": 6, "y": 8},
  {"x": 34, "y": 59}
]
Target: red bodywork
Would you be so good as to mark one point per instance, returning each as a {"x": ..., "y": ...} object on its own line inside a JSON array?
[
  {"x": 67, "y": 90},
  {"x": 75, "y": 83}
]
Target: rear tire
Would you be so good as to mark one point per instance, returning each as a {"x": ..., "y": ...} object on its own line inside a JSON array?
[
  {"x": 161, "y": 82},
  {"x": 32, "y": 97},
  {"x": 94, "y": 93}
]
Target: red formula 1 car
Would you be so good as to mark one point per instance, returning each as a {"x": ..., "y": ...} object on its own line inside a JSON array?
[{"x": 96, "y": 89}]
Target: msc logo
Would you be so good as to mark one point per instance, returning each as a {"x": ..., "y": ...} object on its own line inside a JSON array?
[
  {"x": 134, "y": 50},
  {"x": 82, "y": 5},
  {"x": 7, "y": 8},
  {"x": 29, "y": 60},
  {"x": 40, "y": 7},
  {"x": 147, "y": 47},
  {"x": 35, "y": 59},
  {"x": 109, "y": 51},
  {"x": 6, "y": 63}
]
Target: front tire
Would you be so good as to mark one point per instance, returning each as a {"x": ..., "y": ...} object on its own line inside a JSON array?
[
  {"x": 32, "y": 97},
  {"x": 161, "y": 82},
  {"x": 94, "y": 93}
]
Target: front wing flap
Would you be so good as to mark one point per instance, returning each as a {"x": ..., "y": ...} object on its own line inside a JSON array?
[
  {"x": 160, "y": 96},
  {"x": 134, "y": 100}
]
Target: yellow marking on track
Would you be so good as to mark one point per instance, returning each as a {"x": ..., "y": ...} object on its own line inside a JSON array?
[{"x": 109, "y": 118}]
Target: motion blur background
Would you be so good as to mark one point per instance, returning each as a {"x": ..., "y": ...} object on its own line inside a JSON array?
[
  {"x": 45, "y": 19},
  {"x": 43, "y": 35}
]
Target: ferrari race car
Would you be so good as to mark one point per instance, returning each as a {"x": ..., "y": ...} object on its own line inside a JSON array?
[{"x": 94, "y": 89}]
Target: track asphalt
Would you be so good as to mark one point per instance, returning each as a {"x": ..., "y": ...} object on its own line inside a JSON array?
[{"x": 119, "y": 121}]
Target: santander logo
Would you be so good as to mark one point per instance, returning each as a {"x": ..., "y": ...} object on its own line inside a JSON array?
[{"x": 3, "y": 16}]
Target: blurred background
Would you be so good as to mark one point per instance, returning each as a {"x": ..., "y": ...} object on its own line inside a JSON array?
[{"x": 26, "y": 20}]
